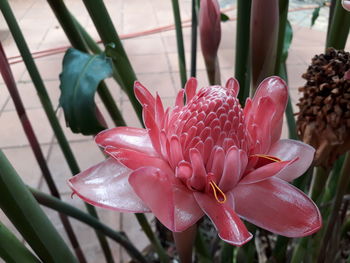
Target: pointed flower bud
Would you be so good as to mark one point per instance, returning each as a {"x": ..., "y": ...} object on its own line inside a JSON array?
[
  {"x": 324, "y": 117},
  {"x": 210, "y": 36}
]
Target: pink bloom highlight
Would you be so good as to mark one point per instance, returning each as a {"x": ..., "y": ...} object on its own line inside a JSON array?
[
  {"x": 346, "y": 4},
  {"x": 208, "y": 156}
]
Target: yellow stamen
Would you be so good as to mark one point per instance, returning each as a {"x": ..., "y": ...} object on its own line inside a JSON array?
[
  {"x": 215, "y": 188},
  {"x": 268, "y": 157}
]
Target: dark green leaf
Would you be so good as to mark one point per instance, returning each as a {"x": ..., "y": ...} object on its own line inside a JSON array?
[
  {"x": 29, "y": 219},
  {"x": 288, "y": 36},
  {"x": 315, "y": 15},
  {"x": 80, "y": 77},
  {"x": 12, "y": 250},
  {"x": 224, "y": 17}
]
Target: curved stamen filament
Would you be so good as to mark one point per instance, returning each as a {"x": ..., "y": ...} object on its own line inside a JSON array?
[
  {"x": 218, "y": 192},
  {"x": 268, "y": 157}
]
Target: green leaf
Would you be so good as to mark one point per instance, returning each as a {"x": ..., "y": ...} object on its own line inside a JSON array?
[
  {"x": 12, "y": 250},
  {"x": 288, "y": 37},
  {"x": 29, "y": 219},
  {"x": 80, "y": 77},
  {"x": 224, "y": 17},
  {"x": 315, "y": 15}
]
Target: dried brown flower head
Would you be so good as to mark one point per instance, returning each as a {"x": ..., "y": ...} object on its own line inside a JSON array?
[{"x": 324, "y": 117}]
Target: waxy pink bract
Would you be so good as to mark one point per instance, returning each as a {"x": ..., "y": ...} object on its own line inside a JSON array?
[{"x": 208, "y": 156}]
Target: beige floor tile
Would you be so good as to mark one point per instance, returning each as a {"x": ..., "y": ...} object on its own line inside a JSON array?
[
  {"x": 4, "y": 97},
  {"x": 155, "y": 63},
  {"x": 17, "y": 70},
  {"x": 24, "y": 162},
  {"x": 49, "y": 68},
  {"x": 294, "y": 75},
  {"x": 12, "y": 133},
  {"x": 144, "y": 45},
  {"x": 30, "y": 97},
  {"x": 158, "y": 82}
]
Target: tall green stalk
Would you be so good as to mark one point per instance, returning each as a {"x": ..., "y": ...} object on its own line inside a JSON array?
[
  {"x": 43, "y": 96},
  {"x": 179, "y": 41},
  {"x": 7, "y": 75},
  {"x": 12, "y": 250},
  {"x": 62, "y": 207},
  {"x": 341, "y": 189},
  {"x": 106, "y": 30},
  {"x": 242, "y": 65},
  {"x": 194, "y": 30},
  {"x": 339, "y": 28},
  {"x": 26, "y": 215}
]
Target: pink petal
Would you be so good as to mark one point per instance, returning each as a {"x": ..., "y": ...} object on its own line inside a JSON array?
[
  {"x": 233, "y": 84},
  {"x": 266, "y": 171},
  {"x": 276, "y": 89},
  {"x": 346, "y": 5},
  {"x": 106, "y": 185},
  {"x": 229, "y": 226},
  {"x": 126, "y": 137},
  {"x": 190, "y": 89},
  {"x": 152, "y": 128},
  {"x": 290, "y": 149},
  {"x": 233, "y": 168},
  {"x": 277, "y": 206},
  {"x": 173, "y": 204},
  {"x": 144, "y": 96},
  {"x": 198, "y": 179},
  {"x": 134, "y": 160}
]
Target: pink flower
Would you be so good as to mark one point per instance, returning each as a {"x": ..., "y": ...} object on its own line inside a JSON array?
[
  {"x": 210, "y": 157},
  {"x": 346, "y": 4}
]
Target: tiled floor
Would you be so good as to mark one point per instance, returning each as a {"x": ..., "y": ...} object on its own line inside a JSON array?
[{"x": 155, "y": 62}]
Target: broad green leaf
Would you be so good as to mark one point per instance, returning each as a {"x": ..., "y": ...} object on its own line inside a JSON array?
[
  {"x": 12, "y": 250},
  {"x": 224, "y": 17},
  {"x": 80, "y": 77},
  {"x": 315, "y": 15},
  {"x": 29, "y": 219}
]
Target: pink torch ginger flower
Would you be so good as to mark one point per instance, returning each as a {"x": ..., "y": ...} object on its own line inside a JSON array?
[
  {"x": 208, "y": 156},
  {"x": 346, "y": 4}
]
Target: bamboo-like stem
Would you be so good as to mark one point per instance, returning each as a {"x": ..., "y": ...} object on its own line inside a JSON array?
[
  {"x": 318, "y": 183},
  {"x": 339, "y": 28},
  {"x": 194, "y": 36},
  {"x": 213, "y": 71},
  {"x": 342, "y": 187},
  {"x": 184, "y": 243},
  {"x": 242, "y": 65},
  {"x": 43, "y": 96},
  {"x": 34, "y": 143},
  {"x": 142, "y": 220},
  {"x": 12, "y": 249},
  {"x": 180, "y": 42},
  {"x": 107, "y": 32},
  {"x": 60, "y": 206},
  {"x": 30, "y": 220}
]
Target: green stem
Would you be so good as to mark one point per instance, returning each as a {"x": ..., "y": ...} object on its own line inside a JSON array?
[
  {"x": 242, "y": 65},
  {"x": 62, "y": 207},
  {"x": 12, "y": 250},
  {"x": 43, "y": 96},
  {"x": 106, "y": 30},
  {"x": 339, "y": 28},
  {"x": 299, "y": 251},
  {"x": 163, "y": 256},
  {"x": 283, "y": 13},
  {"x": 194, "y": 31},
  {"x": 30, "y": 220},
  {"x": 202, "y": 248},
  {"x": 180, "y": 41},
  {"x": 341, "y": 190},
  {"x": 7, "y": 75},
  {"x": 318, "y": 183}
]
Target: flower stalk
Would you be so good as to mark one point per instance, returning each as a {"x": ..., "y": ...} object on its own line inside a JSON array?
[
  {"x": 179, "y": 41},
  {"x": 184, "y": 242}
]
